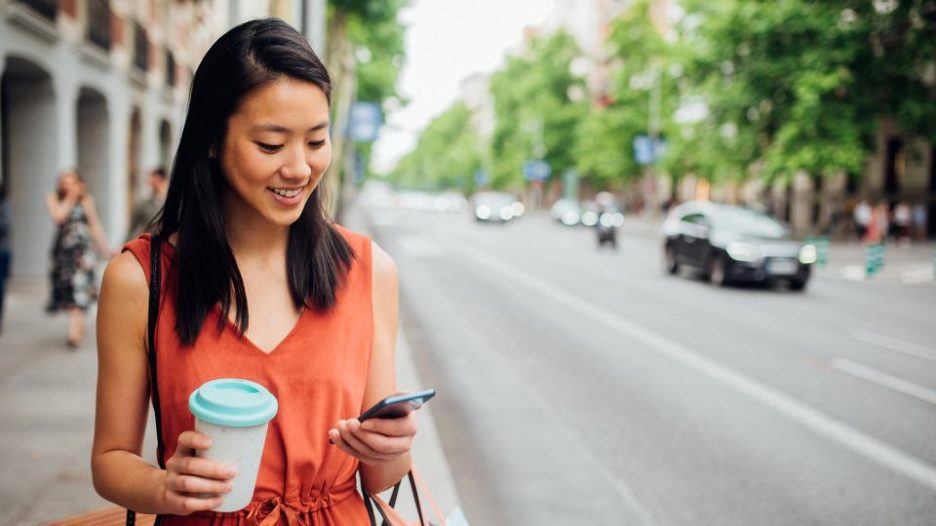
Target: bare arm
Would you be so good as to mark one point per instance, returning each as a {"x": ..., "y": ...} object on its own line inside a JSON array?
[
  {"x": 382, "y": 445},
  {"x": 58, "y": 209},
  {"x": 97, "y": 232},
  {"x": 120, "y": 474}
]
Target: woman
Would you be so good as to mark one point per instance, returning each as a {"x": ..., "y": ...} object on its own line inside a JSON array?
[
  {"x": 72, "y": 282},
  {"x": 258, "y": 284}
]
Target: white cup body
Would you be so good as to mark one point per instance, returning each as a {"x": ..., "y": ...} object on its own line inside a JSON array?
[{"x": 238, "y": 446}]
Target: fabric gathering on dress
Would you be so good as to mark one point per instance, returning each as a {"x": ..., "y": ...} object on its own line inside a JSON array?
[
  {"x": 318, "y": 373},
  {"x": 72, "y": 276}
]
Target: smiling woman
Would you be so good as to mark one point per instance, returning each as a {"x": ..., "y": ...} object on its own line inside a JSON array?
[{"x": 244, "y": 230}]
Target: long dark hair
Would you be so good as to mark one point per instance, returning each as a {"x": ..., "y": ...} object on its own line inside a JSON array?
[{"x": 317, "y": 256}]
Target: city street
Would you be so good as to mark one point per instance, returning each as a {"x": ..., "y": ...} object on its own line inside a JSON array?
[{"x": 579, "y": 385}]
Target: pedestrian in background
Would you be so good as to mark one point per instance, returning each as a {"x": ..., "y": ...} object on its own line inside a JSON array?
[
  {"x": 862, "y": 217},
  {"x": 5, "y": 252},
  {"x": 145, "y": 211},
  {"x": 72, "y": 278},
  {"x": 902, "y": 223},
  {"x": 919, "y": 220},
  {"x": 244, "y": 230}
]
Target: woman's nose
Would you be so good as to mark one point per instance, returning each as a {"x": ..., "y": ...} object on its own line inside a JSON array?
[{"x": 296, "y": 165}]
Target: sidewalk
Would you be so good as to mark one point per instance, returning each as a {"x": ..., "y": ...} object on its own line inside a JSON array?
[{"x": 47, "y": 417}]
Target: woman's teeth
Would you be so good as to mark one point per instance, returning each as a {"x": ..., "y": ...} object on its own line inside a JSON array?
[{"x": 285, "y": 193}]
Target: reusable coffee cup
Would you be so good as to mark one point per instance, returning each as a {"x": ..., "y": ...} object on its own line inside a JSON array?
[{"x": 235, "y": 413}]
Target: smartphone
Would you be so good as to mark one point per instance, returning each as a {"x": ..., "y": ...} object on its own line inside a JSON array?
[{"x": 397, "y": 406}]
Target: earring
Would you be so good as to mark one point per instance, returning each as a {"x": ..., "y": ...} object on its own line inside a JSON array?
[{"x": 212, "y": 154}]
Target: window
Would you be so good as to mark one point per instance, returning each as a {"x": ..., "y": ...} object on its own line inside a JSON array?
[
  {"x": 170, "y": 69},
  {"x": 99, "y": 23},
  {"x": 47, "y": 8},
  {"x": 140, "y": 48}
]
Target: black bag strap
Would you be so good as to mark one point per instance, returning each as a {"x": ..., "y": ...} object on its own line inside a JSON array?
[
  {"x": 151, "y": 319},
  {"x": 368, "y": 503}
]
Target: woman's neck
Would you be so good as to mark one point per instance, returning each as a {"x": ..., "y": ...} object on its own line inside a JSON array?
[{"x": 251, "y": 235}]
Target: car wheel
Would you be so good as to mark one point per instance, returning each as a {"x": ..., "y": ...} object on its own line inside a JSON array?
[
  {"x": 718, "y": 271},
  {"x": 798, "y": 285},
  {"x": 669, "y": 261}
]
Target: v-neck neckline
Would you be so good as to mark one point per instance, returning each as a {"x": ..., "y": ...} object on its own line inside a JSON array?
[{"x": 229, "y": 325}]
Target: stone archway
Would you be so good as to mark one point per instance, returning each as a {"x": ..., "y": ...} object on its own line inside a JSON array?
[{"x": 29, "y": 152}]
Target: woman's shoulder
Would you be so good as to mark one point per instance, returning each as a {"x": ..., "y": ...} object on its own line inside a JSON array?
[{"x": 358, "y": 242}]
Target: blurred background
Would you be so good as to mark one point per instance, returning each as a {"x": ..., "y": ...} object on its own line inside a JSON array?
[{"x": 665, "y": 261}]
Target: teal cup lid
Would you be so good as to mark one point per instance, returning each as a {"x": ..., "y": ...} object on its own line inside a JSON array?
[{"x": 232, "y": 402}]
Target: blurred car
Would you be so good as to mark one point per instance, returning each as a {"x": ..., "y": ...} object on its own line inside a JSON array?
[
  {"x": 732, "y": 244},
  {"x": 495, "y": 207},
  {"x": 452, "y": 202},
  {"x": 566, "y": 211}
]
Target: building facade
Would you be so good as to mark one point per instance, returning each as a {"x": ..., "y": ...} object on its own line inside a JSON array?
[{"x": 101, "y": 86}]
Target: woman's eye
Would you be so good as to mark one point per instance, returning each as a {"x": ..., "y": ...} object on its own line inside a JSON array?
[
  {"x": 316, "y": 144},
  {"x": 269, "y": 147}
]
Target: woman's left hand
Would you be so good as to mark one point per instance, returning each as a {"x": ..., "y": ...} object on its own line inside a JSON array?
[{"x": 377, "y": 440}]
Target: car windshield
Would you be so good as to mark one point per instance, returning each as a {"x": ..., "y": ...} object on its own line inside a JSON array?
[{"x": 748, "y": 222}]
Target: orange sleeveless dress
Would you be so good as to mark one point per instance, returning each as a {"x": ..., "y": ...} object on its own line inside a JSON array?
[{"x": 318, "y": 373}]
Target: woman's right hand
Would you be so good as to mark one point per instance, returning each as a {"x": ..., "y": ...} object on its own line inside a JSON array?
[{"x": 192, "y": 483}]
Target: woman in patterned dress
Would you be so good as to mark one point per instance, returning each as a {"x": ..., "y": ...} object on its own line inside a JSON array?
[{"x": 72, "y": 281}]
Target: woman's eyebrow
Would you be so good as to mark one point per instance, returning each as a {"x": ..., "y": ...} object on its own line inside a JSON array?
[{"x": 276, "y": 128}]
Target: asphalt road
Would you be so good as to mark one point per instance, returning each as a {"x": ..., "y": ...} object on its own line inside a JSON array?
[{"x": 584, "y": 386}]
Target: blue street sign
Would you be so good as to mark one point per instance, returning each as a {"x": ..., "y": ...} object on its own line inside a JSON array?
[
  {"x": 364, "y": 122},
  {"x": 646, "y": 151},
  {"x": 481, "y": 177},
  {"x": 536, "y": 170}
]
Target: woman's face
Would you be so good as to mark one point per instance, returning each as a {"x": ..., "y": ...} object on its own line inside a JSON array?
[
  {"x": 276, "y": 150},
  {"x": 68, "y": 183}
]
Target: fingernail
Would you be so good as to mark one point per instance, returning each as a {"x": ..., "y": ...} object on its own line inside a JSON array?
[{"x": 232, "y": 471}]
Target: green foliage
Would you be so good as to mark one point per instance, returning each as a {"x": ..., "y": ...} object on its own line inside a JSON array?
[
  {"x": 446, "y": 156},
  {"x": 604, "y": 150},
  {"x": 805, "y": 83},
  {"x": 532, "y": 91},
  {"x": 787, "y": 85}
]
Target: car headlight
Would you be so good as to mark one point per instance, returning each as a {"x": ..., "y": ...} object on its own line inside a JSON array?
[
  {"x": 808, "y": 254},
  {"x": 506, "y": 213},
  {"x": 517, "y": 209},
  {"x": 743, "y": 251},
  {"x": 589, "y": 218},
  {"x": 483, "y": 212}
]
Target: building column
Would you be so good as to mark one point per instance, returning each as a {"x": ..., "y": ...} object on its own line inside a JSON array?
[
  {"x": 149, "y": 129},
  {"x": 2, "y": 69},
  {"x": 66, "y": 122},
  {"x": 117, "y": 219}
]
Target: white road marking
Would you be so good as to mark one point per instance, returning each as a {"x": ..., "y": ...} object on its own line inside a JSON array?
[
  {"x": 833, "y": 429},
  {"x": 895, "y": 344},
  {"x": 886, "y": 380}
]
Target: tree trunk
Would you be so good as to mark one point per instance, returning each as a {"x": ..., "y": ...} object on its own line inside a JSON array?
[{"x": 341, "y": 66}]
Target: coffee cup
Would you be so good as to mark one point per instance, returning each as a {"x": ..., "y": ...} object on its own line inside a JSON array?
[{"x": 235, "y": 413}]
